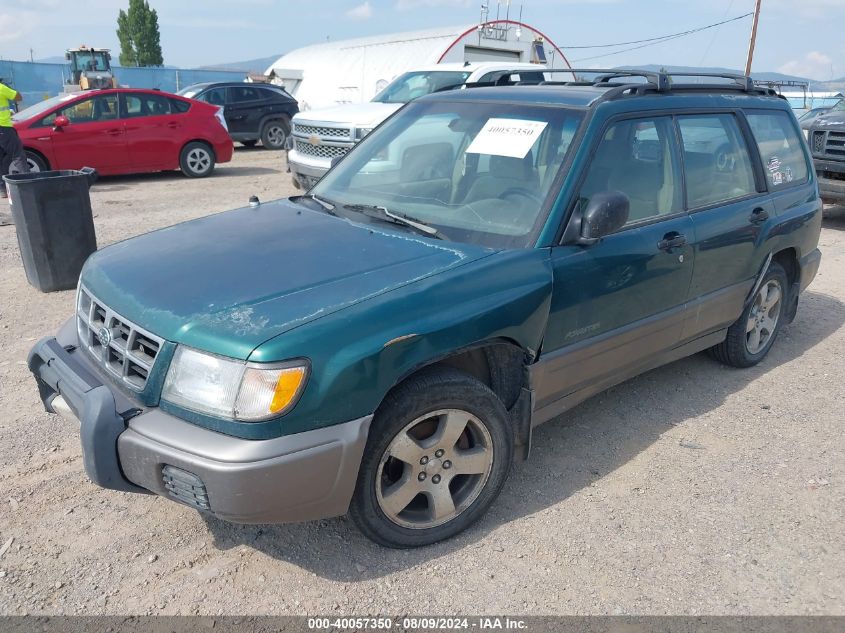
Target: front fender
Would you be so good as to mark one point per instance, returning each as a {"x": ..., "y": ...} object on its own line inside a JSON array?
[{"x": 360, "y": 353}]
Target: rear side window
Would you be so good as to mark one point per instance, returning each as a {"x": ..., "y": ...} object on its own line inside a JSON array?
[
  {"x": 717, "y": 164},
  {"x": 138, "y": 105},
  {"x": 245, "y": 94},
  {"x": 780, "y": 148},
  {"x": 177, "y": 106}
]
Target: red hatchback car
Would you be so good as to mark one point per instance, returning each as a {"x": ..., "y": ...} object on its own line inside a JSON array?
[{"x": 124, "y": 131}]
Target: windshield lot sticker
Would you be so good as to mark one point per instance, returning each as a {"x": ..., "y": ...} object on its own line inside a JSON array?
[{"x": 507, "y": 137}]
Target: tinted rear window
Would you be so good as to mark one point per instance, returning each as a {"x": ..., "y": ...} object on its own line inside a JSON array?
[
  {"x": 780, "y": 148},
  {"x": 178, "y": 106}
]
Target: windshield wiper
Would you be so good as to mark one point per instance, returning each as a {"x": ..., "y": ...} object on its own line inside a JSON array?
[
  {"x": 327, "y": 206},
  {"x": 382, "y": 213}
]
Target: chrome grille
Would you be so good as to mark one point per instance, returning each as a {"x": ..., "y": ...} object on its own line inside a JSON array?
[
  {"x": 818, "y": 142},
  {"x": 318, "y": 130},
  {"x": 320, "y": 151},
  {"x": 829, "y": 143},
  {"x": 835, "y": 144},
  {"x": 125, "y": 350}
]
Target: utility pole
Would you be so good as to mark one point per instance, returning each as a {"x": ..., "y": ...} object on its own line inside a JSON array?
[{"x": 753, "y": 40}]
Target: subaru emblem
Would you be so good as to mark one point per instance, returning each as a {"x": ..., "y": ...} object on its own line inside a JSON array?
[{"x": 104, "y": 336}]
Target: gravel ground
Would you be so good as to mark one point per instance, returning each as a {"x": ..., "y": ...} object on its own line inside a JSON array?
[{"x": 693, "y": 489}]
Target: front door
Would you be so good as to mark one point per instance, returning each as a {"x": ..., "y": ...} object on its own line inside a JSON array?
[
  {"x": 95, "y": 136},
  {"x": 618, "y": 304}
]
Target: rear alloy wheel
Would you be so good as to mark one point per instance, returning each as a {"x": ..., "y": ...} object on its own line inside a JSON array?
[
  {"x": 274, "y": 134},
  {"x": 36, "y": 163},
  {"x": 751, "y": 337},
  {"x": 437, "y": 457},
  {"x": 196, "y": 160}
]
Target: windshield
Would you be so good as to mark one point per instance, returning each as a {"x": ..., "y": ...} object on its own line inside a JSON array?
[
  {"x": 411, "y": 86},
  {"x": 91, "y": 61},
  {"x": 477, "y": 172},
  {"x": 191, "y": 91},
  {"x": 42, "y": 106}
]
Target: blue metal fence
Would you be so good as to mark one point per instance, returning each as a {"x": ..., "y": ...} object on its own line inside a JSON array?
[{"x": 36, "y": 81}]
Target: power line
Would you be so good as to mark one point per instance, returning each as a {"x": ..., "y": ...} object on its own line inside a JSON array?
[
  {"x": 663, "y": 37},
  {"x": 654, "y": 41}
]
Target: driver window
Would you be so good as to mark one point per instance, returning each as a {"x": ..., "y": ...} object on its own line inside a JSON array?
[
  {"x": 637, "y": 157},
  {"x": 100, "y": 108}
]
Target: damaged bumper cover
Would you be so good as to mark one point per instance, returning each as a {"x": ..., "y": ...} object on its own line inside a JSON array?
[{"x": 298, "y": 477}]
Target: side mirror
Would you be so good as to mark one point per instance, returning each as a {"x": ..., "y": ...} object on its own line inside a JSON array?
[
  {"x": 606, "y": 213},
  {"x": 60, "y": 122}
]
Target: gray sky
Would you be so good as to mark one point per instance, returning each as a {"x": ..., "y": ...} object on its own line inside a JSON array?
[{"x": 803, "y": 37}]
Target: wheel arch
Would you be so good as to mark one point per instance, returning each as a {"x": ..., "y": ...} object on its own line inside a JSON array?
[
  {"x": 500, "y": 364},
  {"x": 204, "y": 141},
  {"x": 38, "y": 153},
  {"x": 788, "y": 259}
]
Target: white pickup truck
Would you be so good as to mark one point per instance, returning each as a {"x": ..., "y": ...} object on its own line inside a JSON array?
[{"x": 320, "y": 136}]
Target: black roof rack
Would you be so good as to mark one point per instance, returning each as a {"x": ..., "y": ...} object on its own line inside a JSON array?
[{"x": 657, "y": 81}]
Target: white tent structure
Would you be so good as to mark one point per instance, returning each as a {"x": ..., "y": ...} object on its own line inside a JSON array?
[{"x": 354, "y": 71}]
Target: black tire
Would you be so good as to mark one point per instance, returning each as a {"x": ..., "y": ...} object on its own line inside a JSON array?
[
  {"x": 734, "y": 350},
  {"x": 249, "y": 143},
  {"x": 197, "y": 160},
  {"x": 434, "y": 390},
  {"x": 36, "y": 162},
  {"x": 275, "y": 133}
]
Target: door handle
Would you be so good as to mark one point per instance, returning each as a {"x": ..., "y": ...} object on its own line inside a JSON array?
[
  {"x": 672, "y": 240},
  {"x": 758, "y": 216},
  {"x": 173, "y": 125},
  {"x": 114, "y": 132}
]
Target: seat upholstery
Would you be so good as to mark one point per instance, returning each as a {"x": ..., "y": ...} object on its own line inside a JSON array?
[{"x": 505, "y": 173}]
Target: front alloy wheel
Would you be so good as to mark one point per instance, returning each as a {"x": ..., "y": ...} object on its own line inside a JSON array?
[
  {"x": 434, "y": 469},
  {"x": 438, "y": 453}
]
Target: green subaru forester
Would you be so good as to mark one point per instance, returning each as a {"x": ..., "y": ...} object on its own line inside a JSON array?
[{"x": 482, "y": 262}]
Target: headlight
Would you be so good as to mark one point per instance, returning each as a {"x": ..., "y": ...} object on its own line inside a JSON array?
[
  {"x": 806, "y": 134},
  {"x": 232, "y": 389},
  {"x": 361, "y": 132}
]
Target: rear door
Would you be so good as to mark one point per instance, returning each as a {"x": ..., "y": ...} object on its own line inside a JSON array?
[
  {"x": 245, "y": 107},
  {"x": 620, "y": 303},
  {"x": 152, "y": 131},
  {"x": 95, "y": 136},
  {"x": 729, "y": 209}
]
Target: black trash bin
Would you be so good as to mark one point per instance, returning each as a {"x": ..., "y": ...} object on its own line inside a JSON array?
[{"x": 55, "y": 227}]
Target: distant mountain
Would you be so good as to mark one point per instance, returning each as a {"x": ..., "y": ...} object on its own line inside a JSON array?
[
  {"x": 250, "y": 66},
  {"x": 55, "y": 59}
]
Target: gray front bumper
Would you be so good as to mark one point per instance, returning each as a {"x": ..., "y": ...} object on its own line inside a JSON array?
[
  {"x": 831, "y": 177},
  {"x": 297, "y": 477}
]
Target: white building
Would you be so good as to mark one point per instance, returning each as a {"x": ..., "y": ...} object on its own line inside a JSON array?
[{"x": 354, "y": 71}]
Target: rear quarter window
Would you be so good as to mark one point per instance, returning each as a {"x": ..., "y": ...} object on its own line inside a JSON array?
[
  {"x": 177, "y": 106},
  {"x": 781, "y": 149}
]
